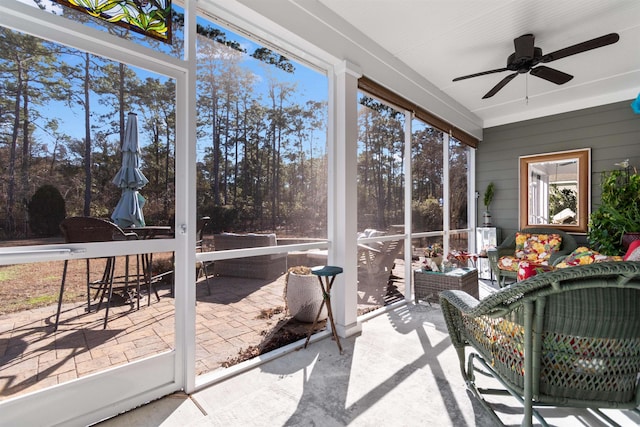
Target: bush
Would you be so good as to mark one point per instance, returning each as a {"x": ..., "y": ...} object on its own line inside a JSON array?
[
  {"x": 427, "y": 215},
  {"x": 223, "y": 218},
  {"x": 46, "y": 211},
  {"x": 618, "y": 212}
]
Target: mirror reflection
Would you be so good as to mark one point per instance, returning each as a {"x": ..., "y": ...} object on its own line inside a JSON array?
[{"x": 554, "y": 190}]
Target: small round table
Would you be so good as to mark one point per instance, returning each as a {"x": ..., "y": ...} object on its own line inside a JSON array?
[{"x": 329, "y": 273}]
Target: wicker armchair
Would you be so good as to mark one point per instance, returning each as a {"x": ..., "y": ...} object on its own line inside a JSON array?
[
  {"x": 569, "y": 337},
  {"x": 508, "y": 247}
]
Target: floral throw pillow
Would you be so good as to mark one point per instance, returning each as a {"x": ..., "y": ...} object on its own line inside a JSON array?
[
  {"x": 537, "y": 247},
  {"x": 521, "y": 238},
  {"x": 508, "y": 263},
  {"x": 584, "y": 256}
]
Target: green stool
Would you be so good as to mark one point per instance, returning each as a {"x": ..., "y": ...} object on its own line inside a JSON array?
[{"x": 329, "y": 273}]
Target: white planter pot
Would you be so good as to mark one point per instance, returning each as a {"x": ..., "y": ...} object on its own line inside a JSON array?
[
  {"x": 304, "y": 297},
  {"x": 486, "y": 219}
]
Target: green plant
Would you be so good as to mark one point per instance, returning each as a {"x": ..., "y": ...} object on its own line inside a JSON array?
[
  {"x": 488, "y": 194},
  {"x": 223, "y": 218},
  {"x": 426, "y": 214},
  {"x": 562, "y": 198},
  {"x": 46, "y": 211},
  {"x": 618, "y": 213}
]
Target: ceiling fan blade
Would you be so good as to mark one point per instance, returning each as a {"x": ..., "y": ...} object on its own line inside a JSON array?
[
  {"x": 500, "y": 85},
  {"x": 554, "y": 76},
  {"x": 581, "y": 47},
  {"x": 499, "y": 70},
  {"x": 524, "y": 46}
]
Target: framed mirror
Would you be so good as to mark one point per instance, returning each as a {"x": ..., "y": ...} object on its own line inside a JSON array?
[{"x": 555, "y": 190}]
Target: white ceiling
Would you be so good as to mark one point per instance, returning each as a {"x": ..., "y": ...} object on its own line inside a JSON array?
[{"x": 441, "y": 40}]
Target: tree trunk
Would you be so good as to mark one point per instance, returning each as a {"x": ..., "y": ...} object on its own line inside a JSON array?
[
  {"x": 121, "y": 95},
  {"x": 87, "y": 139},
  {"x": 166, "y": 168},
  {"x": 12, "y": 156},
  {"x": 216, "y": 149},
  {"x": 26, "y": 154}
]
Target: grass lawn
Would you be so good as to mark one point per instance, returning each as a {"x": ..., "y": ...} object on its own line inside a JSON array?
[{"x": 28, "y": 286}]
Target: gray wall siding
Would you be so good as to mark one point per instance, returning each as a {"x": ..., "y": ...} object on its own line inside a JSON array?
[{"x": 611, "y": 131}]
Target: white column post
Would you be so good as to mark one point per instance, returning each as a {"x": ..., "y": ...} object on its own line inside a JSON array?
[
  {"x": 342, "y": 203},
  {"x": 408, "y": 215},
  {"x": 446, "y": 194},
  {"x": 472, "y": 199},
  {"x": 184, "y": 277}
]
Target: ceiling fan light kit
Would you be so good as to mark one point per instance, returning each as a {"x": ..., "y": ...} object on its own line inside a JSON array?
[{"x": 526, "y": 58}]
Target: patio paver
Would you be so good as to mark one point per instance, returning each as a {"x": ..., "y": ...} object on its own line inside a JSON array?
[{"x": 228, "y": 320}]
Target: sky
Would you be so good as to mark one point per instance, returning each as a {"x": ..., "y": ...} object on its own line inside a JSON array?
[{"x": 312, "y": 84}]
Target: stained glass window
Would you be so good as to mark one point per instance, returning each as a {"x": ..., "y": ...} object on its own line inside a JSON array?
[{"x": 149, "y": 17}]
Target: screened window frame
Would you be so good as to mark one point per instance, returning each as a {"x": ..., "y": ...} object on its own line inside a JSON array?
[{"x": 376, "y": 90}]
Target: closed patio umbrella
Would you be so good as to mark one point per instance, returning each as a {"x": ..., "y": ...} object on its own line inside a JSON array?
[{"x": 128, "y": 211}]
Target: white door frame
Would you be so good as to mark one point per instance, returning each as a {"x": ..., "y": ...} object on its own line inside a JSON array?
[{"x": 109, "y": 392}]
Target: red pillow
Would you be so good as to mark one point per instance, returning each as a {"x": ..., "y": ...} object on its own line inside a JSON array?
[
  {"x": 633, "y": 253},
  {"x": 528, "y": 269}
]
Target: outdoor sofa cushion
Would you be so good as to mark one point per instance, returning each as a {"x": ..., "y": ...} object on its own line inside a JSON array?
[
  {"x": 508, "y": 248},
  {"x": 581, "y": 256},
  {"x": 584, "y": 256},
  {"x": 254, "y": 267}
]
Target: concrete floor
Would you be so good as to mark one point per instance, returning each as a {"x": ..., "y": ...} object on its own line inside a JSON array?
[{"x": 400, "y": 371}]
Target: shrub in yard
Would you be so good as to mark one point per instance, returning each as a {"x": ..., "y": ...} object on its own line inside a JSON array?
[
  {"x": 427, "y": 214},
  {"x": 46, "y": 211},
  {"x": 223, "y": 218}
]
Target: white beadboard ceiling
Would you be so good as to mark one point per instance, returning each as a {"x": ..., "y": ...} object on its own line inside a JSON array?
[{"x": 444, "y": 39}]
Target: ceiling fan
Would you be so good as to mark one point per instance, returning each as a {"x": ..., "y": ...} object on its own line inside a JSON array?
[{"x": 527, "y": 56}]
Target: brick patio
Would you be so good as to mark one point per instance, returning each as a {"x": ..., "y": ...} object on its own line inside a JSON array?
[{"x": 228, "y": 319}]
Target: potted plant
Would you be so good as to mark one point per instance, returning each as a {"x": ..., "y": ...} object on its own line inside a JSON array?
[
  {"x": 613, "y": 224},
  {"x": 488, "y": 197},
  {"x": 303, "y": 295}
]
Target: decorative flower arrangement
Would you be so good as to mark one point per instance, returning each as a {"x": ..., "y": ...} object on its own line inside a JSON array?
[
  {"x": 433, "y": 257},
  {"x": 462, "y": 258},
  {"x": 433, "y": 251}
]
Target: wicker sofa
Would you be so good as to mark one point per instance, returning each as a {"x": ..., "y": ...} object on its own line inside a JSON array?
[
  {"x": 508, "y": 248},
  {"x": 254, "y": 267},
  {"x": 570, "y": 337}
]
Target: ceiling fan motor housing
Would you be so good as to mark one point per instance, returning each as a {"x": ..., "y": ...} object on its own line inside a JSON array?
[{"x": 524, "y": 64}]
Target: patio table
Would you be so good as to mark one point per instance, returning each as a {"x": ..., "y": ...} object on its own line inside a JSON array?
[
  {"x": 428, "y": 284},
  {"x": 151, "y": 232}
]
